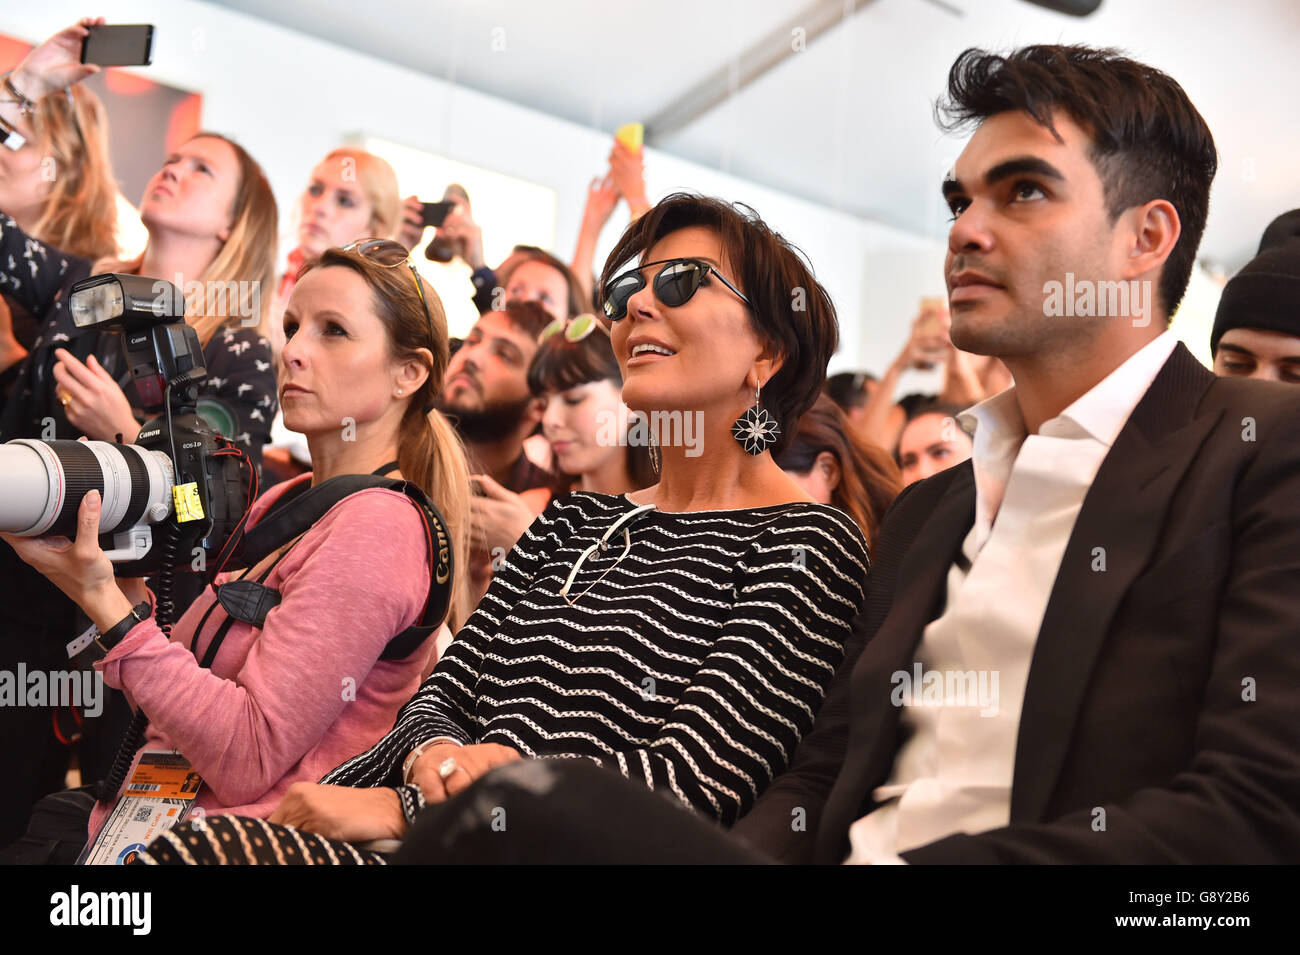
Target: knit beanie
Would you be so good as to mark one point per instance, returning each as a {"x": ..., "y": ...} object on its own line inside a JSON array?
[{"x": 1266, "y": 292}]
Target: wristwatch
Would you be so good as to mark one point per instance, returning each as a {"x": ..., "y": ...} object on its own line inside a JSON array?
[{"x": 113, "y": 636}]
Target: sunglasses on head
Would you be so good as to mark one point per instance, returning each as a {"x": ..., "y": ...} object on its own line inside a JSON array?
[
  {"x": 575, "y": 329},
  {"x": 674, "y": 284},
  {"x": 391, "y": 254}
]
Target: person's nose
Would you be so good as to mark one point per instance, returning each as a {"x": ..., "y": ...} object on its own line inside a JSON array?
[
  {"x": 643, "y": 304},
  {"x": 293, "y": 354},
  {"x": 551, "y": 419},
  {"x": 971, "y": 231}
]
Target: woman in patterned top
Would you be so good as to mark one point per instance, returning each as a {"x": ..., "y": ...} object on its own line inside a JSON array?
[
  {"x": 682, "y": 636},
  {"x": 211, "y": 219}
]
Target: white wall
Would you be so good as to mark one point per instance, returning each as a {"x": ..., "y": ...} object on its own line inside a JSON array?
[{"x": 289, "y": 98}]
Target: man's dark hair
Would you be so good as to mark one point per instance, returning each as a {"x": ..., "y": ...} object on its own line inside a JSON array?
[
  {"x": 1148, "y": 140},
  {"x": 529, "y": 317},
  {"x": 789, "y": 308},
  {"x": 848, "y": 389}
]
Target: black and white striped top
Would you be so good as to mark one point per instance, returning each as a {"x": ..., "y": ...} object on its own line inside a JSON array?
[{"x": 692, "y": 660}]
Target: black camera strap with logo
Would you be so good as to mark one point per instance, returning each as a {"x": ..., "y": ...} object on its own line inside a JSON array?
[{"x": 297, "y": 510}]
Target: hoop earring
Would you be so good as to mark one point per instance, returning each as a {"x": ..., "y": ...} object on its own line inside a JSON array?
[{"x": 756, "y": 430}]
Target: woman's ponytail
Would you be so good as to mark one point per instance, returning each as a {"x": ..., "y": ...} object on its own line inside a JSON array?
[{"x": 430, "y": 453}]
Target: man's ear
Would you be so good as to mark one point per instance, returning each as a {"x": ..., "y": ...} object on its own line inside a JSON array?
[
  {"x": 1155, "y": 231},
  {"x": 533, "y": 412}
]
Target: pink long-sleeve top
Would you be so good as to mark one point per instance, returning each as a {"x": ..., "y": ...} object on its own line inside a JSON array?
[{"x": 292, "y": 700}]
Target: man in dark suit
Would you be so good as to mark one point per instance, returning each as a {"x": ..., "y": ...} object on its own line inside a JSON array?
[
  {"x": 1082, "y": 645},
  {"x": 1151, "y": 664}
]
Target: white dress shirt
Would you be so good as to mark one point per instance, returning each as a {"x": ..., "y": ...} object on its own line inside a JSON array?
[{"x": 953, "y": 773}]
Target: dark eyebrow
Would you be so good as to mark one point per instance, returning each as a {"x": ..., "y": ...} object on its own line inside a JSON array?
[
  {"x": 1236, "y": 349},
  {"x": 1019, "y": 166}
]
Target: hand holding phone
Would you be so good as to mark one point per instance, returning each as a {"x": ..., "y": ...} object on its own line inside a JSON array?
[
  {"x": 435, "y": 213},
  {"x": 55, "y": 64}
]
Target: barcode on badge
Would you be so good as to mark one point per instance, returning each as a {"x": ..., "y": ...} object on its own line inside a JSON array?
[
  {"x": 143, "y": 814},
  {"x": 144, "y": 788}
]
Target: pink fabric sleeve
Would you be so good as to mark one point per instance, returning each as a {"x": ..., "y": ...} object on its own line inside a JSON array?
[{"x": 358, "y": 578}]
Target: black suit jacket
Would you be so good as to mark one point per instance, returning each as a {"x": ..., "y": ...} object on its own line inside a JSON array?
[{"x": 1161, "y": 718}]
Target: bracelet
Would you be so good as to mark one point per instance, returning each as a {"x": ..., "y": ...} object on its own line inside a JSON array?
[
  {"x": 26, "y": 106},
  {"x": 113, "y": 636},
  {"x": 409, "y": 763},
  {"x": 412, "y": 800}
]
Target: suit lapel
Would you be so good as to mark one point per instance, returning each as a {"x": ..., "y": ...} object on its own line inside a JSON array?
[
  {"x": 1124, "y": 513},
  {"x": 919, "y": 588}
]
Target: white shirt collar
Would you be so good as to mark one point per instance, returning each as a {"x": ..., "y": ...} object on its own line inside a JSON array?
[
  {"x": 998, "y": 429},
  {"x": 1101, "y": 413}
]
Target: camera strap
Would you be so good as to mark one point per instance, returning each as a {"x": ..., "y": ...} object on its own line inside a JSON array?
[{"x": 289, "y": 518}]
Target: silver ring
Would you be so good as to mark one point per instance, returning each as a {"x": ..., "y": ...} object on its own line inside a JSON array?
[{"x": 447, "y": 767}]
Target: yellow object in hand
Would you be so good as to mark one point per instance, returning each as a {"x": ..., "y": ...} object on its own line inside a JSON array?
[{"x": 631, "y": 135}]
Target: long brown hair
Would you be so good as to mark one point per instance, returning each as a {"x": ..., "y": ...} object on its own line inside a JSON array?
[
  {"x": 869, "y": 477},
  {"x": 429, "y": 452},
  {"x": 245, "y": 264},
  {"x": 80, "y": 215}
]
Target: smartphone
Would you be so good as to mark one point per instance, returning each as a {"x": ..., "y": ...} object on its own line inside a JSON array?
[
  {"x": 435, "y": 213},
  {"x": 130, "y": 45},
  {"x": 439, "y": 249}
]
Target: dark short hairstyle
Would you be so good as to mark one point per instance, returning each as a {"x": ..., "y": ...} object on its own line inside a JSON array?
[
  {"x": 529, "y": 317},
  {"x": 934, "y": 406},
  {"x": 561, "y": 364},
  {"x": 848, "y": 389},
  {"x": 1148, "y": 140},
  {"x": 789, "y": 308}
]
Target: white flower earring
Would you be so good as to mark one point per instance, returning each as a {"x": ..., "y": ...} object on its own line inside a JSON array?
[{"x": 756, "y": 430}]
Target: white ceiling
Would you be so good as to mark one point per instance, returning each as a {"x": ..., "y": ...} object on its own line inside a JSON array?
[{"x": 847, "y": 122}]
